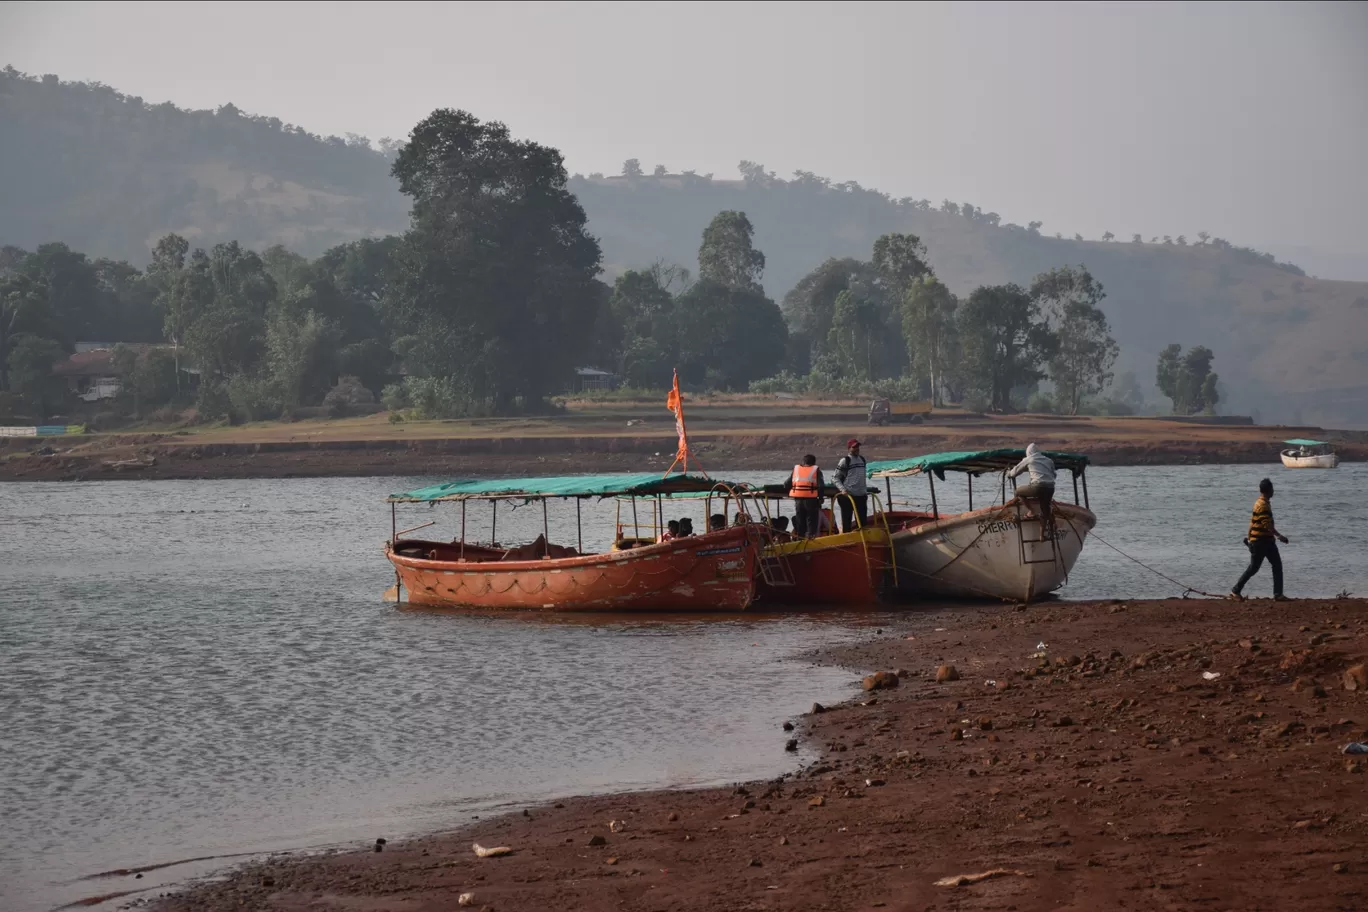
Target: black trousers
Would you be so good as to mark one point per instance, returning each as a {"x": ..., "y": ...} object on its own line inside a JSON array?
[
  {"x": 805, "y": 516},
  {"x": 1258, "y": 551},
  {"x": 853, "y": 504}
]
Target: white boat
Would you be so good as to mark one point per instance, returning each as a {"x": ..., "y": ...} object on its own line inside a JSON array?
[
  {"x": 1000, "y": 551},
  {"x": 1308, "y": 454}
]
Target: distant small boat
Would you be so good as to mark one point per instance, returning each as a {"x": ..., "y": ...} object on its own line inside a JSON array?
[
  {"x": 1001, "y": 551},
  {"x": 1309, "y": 454}
]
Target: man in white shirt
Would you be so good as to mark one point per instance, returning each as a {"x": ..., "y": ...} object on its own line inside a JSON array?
[
  {"x": 851, "y": 478},
  {"x": 1041, "y": 469}
]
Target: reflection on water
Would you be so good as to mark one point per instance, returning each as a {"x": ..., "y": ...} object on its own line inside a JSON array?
[{"x": 200, "y": 668}]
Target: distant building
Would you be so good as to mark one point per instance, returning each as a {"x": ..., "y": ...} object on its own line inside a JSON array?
[
  {"x": 591, "y": 378},
  {"x": 91, "y": 373}
]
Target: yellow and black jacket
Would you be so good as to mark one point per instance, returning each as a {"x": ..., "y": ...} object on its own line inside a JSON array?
[{"x": 1261, "y": 522}]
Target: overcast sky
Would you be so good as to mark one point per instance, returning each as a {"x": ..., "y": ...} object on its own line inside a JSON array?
[{"x": 1246, "y": 120}]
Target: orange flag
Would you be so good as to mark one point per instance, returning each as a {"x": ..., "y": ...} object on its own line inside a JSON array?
[{"x": 675, "y": 403}]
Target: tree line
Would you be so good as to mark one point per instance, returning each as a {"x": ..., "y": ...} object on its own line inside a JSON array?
[{"x": 489, "y": 300}]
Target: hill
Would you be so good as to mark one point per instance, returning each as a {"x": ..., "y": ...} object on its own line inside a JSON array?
[{"x": 109, "y": 173}]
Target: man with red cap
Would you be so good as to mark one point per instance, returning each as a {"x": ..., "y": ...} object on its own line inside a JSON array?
[{"x": 851, "y": 481}]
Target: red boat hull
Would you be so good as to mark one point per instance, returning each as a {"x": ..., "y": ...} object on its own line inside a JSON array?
[
  {"x": 711, "y": 572},
  {"x": 841, "y": 569}
]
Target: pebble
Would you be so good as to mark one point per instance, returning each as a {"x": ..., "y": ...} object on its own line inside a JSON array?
[
  {"x": 791, "y": 745},
  {"x": 818, "y": 708},
  {"x": 597, "y": 841},
  {"x": 672, "y": 817},
  {"x": 946, "y": 673},
  {"x": 788, "y": 726}
]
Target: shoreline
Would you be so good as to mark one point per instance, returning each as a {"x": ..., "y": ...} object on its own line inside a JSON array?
[
  {"x": 1111, "y": 772},
  {"x": 219, "y": 456}
]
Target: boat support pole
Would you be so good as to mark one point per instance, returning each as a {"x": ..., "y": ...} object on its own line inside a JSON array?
[
  {"x": 636, "y": 526},
  {"x": 546, "y": 529},
  {"x": 1086, "y": 505},
  {"x": 1075, "y": 479},
  {"x": 971, "y": 491},
  {"x": 463, "y": 505},
  {"x": 888, "y": 486},
  {"x": 494, "y": 528},
  {"x": 579, "y": 525},
  {"x": 935, "y": 511},
  {"x": 394, "y": 536}
]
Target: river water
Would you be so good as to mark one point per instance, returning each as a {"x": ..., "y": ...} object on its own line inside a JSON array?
[{"x": 203, "y": 668}]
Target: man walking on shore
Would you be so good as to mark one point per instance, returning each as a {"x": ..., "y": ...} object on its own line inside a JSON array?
[
  {"x": 1263, "y": 544},
  {"x": 851, "y": 481}
]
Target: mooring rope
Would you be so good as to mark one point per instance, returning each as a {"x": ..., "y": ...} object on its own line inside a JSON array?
[{"x": 1186, "y": 588}]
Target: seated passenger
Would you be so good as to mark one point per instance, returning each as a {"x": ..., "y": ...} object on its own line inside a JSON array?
[
  {"x": 740, "y": 519},
  {"x": 671, "y": 531},
  {"x": 685, "y": 527},
  {"x": 717, "y": 522}
]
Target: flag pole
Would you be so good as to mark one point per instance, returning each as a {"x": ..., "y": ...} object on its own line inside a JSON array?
[{"x": 675, "y": 403}]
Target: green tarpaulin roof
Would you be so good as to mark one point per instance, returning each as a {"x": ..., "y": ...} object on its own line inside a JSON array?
[
  {"x": 975, "y": 462},
  {"x": 642, "y": 484},
  {"x": 1297, "y": 441}
]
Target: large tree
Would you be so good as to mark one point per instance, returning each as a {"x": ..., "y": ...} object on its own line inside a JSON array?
[
  {"x": 900, "y": 259},
  {"x": 735, "y": 335},
  {"x": 1004, "y": 342},
  {"x": 929, "y": 328},
  {"x": 728, "y": 256},
  {"x": 493, "y": 283},
  {"x": 810, "y": 306},
  {"x": 1086, "y": 351}
]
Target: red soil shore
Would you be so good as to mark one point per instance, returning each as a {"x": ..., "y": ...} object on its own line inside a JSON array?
[{"x": 1109, "y": 774}]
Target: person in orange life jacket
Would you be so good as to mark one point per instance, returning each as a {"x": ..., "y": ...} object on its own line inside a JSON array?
[
  {"x": 850, "y": 479},
  {"x": 804, "y": 485}
]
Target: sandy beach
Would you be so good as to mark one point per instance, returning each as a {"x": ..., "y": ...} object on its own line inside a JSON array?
[{"x": 1177, "y": 754}]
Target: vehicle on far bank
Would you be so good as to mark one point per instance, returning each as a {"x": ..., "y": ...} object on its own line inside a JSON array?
[
  {"x": 885, "y": 411},
  {"x": 1309, "y": 454}
]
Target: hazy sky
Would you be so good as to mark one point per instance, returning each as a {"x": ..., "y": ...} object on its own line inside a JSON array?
[{"x": 1246, "y": 120}]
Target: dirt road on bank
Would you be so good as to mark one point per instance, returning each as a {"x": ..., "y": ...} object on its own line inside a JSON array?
[
  {"x": 625, "y": 438},
  {"x": 1113, "y": 755}
]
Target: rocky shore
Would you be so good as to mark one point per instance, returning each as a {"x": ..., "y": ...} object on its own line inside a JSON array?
[{"x": 1176, "y": 754}]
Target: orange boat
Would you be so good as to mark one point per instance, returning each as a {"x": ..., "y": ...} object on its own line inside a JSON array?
[{"x": 714, "y": 571}]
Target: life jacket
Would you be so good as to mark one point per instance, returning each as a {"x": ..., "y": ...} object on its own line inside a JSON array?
[{"x": 805, "y": 481}]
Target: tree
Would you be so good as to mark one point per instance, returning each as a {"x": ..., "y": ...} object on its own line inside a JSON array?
[
  {"x": 659, "y": 171},
  {"x": 1069, "y": 299},
  {"x": 1004, "y": 341},
  {"x": 810, "y": 305},
  {"x": 1136, "y": 239},
  {"x": 1078, "y": 237},
  {"x": 641, "y": 307},
  {"x": 736, "y": 334},
  {"x": 23, "y": 309},
  {"x": 1033, "y": 227},
  {"x": 856, "y": 325},
  {"x": 900, "y": 260},
  {"x": 728, "y": 256},
  {"x": 494, "y": 282},
  {"x": 1181, "y": 241},
  {"x": 929, "y": 328},
  {"x": 631, "y": 168},
  {"x": 1108, "y": 236},
  {"x": 1202, "y": 238},
  {"x": 1188, "y": 380},
  {"x": 30, "y": 362},
  {"x": 301, "y": 357}
]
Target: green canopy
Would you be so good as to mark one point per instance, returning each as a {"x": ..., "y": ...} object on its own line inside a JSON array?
[
  {"x": 975, "y": 462},
  {"x": 1297, "y": 441},
  {"x": 647, "y": 484}
]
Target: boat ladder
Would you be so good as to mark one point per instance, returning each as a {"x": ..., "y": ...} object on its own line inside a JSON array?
[
  {"x": 1045, "y": 548},
  {"x": 774, "y": 567}
]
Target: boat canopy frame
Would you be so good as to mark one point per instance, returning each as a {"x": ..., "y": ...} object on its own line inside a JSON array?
[
  {"x": 1302, "y": 442},
  {"x": 974, "y": 463}
]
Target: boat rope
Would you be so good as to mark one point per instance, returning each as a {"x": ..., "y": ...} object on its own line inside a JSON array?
[{"x": 1186, "y": 588}]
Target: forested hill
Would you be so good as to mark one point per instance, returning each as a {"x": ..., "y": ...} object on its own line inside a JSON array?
[
  {"x": 1288, "y": 346},
  {"x": 109, "y": 174}
]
